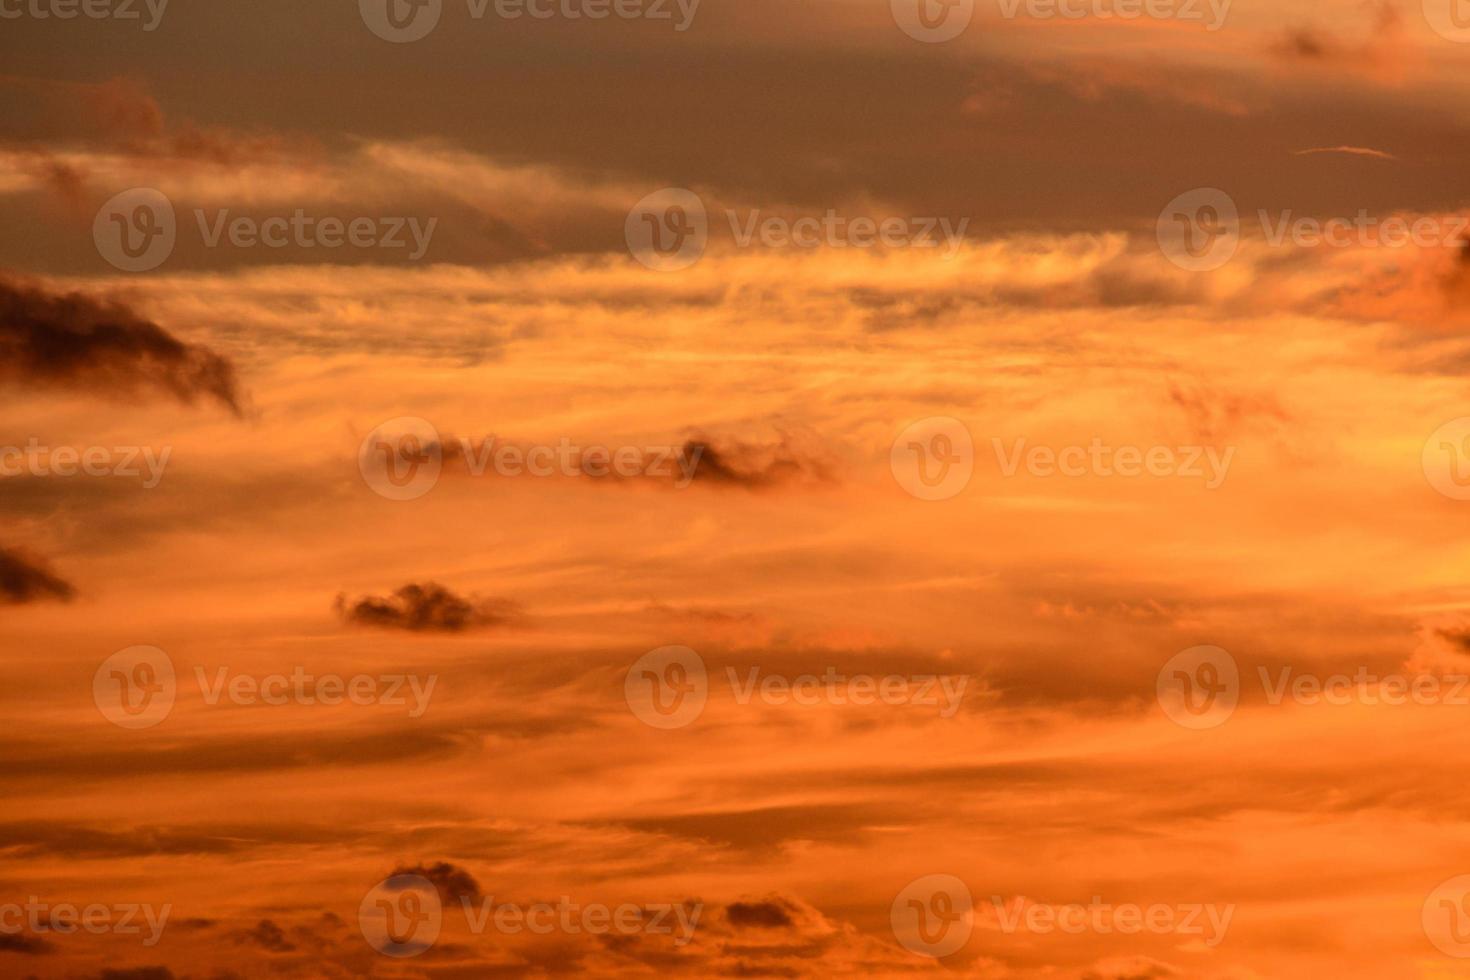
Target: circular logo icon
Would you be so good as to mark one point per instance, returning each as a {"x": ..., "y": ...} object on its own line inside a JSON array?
[
  {"x": 1449, "y": 19},
  {"x": 1199, "y": 688},
  {"x": 401, "y": 459},
  {"x": 401, "y": 21},
  {"x": 668, "y": 230},
  {"x": 136, "y": 230},
  {"x": 667, "y": 688},
  {"x": 1446, "y": 459},
  {"x": 933, "y": 915},
  {"x": 135, "y": 688},
  {"x": 1446, "y": 917},
  {"x": 401, "y": 916},
  {"x": 934, "y": 458},
  {"x": 1200, "y": 230},
  {"x": 933, "y": 21}
]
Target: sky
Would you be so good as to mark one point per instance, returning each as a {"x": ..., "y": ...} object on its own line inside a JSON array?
[{"x": 824, "y": 488}]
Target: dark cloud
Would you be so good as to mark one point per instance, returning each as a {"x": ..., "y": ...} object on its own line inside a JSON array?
[
  {"x": 756, "y": 466},
  {"x": 26, "y": 945},
  {"x": 768, "y": 914},
  {"x": 427, "y": 608},
  {"x": 452, "y": 881},
  {"x": 269, "y": 936},
  {"x": 79, "y": 341},
  {"x": 138, "y": 973},
  {"x": 25, "y": 579}
]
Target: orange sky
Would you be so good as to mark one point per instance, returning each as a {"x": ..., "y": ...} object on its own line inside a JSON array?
[{"x": 812, "y": 488}]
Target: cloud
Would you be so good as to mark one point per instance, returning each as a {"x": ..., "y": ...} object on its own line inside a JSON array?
[
  {"x": 1361, "y": 151},
  {"x": 427, "y": 608},
  {"x": 754, "y": 466},
  {"x": 72, "y": 340},
  {"x": 24, "y": 579},
  {"x": 269, "y": 936},
  {"x": 453, "y": 882},
  {"x": 25, "y": 945},
  {"x": 773, "y": 913}
]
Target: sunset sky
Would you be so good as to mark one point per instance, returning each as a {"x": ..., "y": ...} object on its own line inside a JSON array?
[{"x": 561, "y": 395}]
